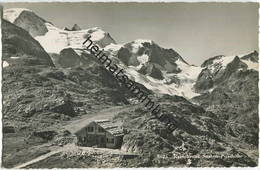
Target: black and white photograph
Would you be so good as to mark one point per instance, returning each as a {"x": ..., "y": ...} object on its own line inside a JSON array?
[{"x": 129, "y": 84}]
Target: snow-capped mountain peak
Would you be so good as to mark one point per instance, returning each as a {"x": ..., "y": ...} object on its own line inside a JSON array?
[
  {"x": 27, "y": 20},
  {"x": 54, "y": 39},
  {"x": 161, "y": 70},
  {"x": 57, "y": 39},
  {"x": 220, "y": 62},
  {"x": 13, "y": 13}
]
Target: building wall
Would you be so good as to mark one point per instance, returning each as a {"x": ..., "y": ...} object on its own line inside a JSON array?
[{"x": 97, "y": 138}]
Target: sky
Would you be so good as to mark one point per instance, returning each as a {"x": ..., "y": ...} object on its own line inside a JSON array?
[{"x": 197, "y": 31}]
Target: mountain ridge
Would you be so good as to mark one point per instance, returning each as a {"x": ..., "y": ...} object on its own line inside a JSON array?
[
  {"x": 206, "y": 110},
  {"x": 167, "y": 74}
]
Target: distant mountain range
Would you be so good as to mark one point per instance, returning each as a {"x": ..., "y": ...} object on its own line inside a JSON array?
[{"x": 161, "y": 70}]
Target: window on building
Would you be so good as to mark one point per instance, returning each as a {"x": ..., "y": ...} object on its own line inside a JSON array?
[
  {"x": 101, "y": 129},
  {"x": 80, "y": 139},
  {"x": 90, "y": 129},
  {"x": 110, "y": 140}
]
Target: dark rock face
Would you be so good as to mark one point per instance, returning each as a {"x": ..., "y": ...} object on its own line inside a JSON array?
[
  {"x": 124, "y": 55},
  {"x": 32, "y": 23},
  {"x": 252, "y": 57},
  {"x": 67, "y": 29},
  {"x": 167, "y": 57},
  {"x": 65, "y": 106},
  {"x": 152, "y": 71},
  {"x": 231, "y": 68},
  {"x": 156, "y": 73},
  {"x": 18, "y": 43},
  {"x": 75, "y": 28},
  {"x": 164, "y": 59},
  {"x": 204, "y": 80},
  {"x": 67, "y": 58},
  {"x": 8, "y": 129},
  {"x": 46, "y": 135}
]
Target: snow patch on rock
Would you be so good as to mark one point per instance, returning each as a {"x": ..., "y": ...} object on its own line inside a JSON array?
[
  {"x": 221, "y": 63},
  {"x": 15, "y": 57},
  {"x": 251, "y": 65},
  {"x": 113, "y": 48},
  {"x": 143, "y": 59},
  {"x": 5, "y": 64},
  {"x": 97, "y": 35},
  {"x": 138, "y": 44}
]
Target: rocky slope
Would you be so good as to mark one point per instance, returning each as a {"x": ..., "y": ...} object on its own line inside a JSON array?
[
  {"x": 37, "y": 97},
  {"x": 189, "y": 136},
  {"x": 185, "y": 130},
  {"x": 231, "y": 91}
]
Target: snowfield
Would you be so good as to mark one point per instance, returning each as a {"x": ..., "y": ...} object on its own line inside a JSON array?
[
  {"x": 251, "y": 65},
  {"x": 57, "y": 39}
]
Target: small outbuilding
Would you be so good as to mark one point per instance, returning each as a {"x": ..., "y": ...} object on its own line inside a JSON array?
[{"x": 101, "y": 133}]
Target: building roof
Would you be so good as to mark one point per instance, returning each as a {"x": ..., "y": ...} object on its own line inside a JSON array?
[{"x": 112, "y": 127}]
